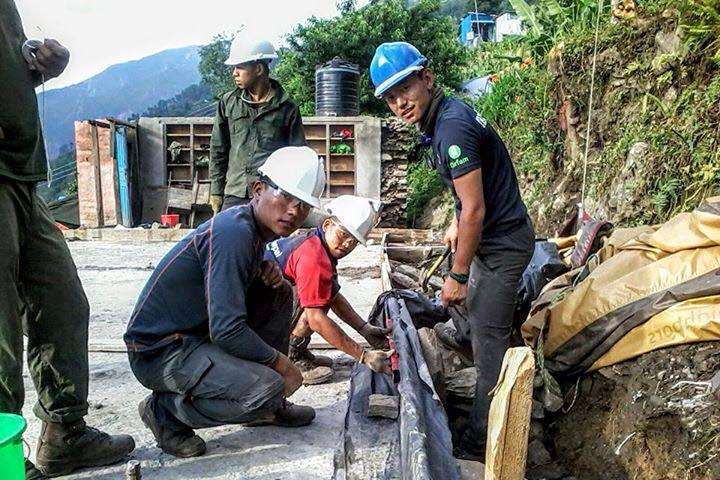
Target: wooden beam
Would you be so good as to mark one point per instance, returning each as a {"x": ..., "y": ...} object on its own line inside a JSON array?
[
  {"x": 99, "y": 211},
  {"x": 509, "y": 422}
]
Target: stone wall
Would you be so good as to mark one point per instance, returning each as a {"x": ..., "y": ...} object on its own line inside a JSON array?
[{"x": 398, "y": 150}]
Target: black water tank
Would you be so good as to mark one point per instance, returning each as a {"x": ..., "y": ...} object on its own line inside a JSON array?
[{"x": 336, "y": 89}]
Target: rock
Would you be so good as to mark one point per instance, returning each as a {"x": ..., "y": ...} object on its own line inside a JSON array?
[
  {"x": 462, "y": 382},
  {"x": 537, "y": 454},
  {"x": 537, "y": 410},
  {"x": 537, "y": 430},
  {"x": 553, "y": 471},
  {"x": 403, "y": 281},
  {"x": 386, "y": 406},
  {"x": 431, "y": 352},
  {"x": 668, "y": 42}
]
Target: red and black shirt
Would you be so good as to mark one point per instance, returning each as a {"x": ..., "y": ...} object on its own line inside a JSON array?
[{"x": 306, "y": 262}]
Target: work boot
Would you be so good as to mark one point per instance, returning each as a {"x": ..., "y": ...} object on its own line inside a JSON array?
[
  {"x": 32, "y": 473},
  {"x": 315, "y": 369},
  {"x": 176, "y": 440},
  {"x": 450, "y": 338},
  {"x": 65, "y": 447},
  {"x": 289, "y": 415}
]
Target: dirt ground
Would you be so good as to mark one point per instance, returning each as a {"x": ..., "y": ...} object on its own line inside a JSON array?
[
  {"x": 651, "y": 418},
  {"x": 113, "y": 275}
]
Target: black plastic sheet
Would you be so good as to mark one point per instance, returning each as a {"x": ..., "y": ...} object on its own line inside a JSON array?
[{"x": 416, "y": 446}]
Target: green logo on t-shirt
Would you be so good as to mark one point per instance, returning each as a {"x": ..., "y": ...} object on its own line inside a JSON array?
[{"x": 454, "y": 151}]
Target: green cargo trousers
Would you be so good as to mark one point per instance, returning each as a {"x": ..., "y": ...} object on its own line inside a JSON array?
[{"x": 40, "y": 296}]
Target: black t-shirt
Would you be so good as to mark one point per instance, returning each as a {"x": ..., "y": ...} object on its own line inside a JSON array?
[{"x": 463, "y": 141}]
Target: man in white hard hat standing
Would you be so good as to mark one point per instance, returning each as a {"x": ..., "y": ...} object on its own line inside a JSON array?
[
  {"x": 209, "y": 333},
  {"x": 310, "y": 263},
  {"x": 252, "y": 121}
]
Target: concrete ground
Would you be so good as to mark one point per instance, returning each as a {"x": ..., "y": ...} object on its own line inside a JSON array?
[{"x": 113, "y": 275}]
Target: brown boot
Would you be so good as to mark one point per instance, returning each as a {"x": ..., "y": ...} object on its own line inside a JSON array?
[
  {"x": 32, "y": 473},
  {"x": 299, "y": 350},
  {"x": 315, "y": 369},
  {"x": 65, "y": 447},
  {"x": 180, "y": 442},
  {"x": 288, "y": 415}
]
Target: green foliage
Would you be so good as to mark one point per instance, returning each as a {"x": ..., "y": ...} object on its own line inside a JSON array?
[
  {"x": 667, "y": 101},
  {"x": 548, "y": 20},
  {"x": 424, "y": 184},
  {"x": 72, "y": 187},
  {"x": 212, "y": 66},
  {"x": 192, "y": 101},
  {"x": 354, "y": 37},
  {"x": 702, "y": 26}
]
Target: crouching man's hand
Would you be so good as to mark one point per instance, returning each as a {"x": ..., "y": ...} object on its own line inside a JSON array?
[
  {"x": 375, "y": 336},
  {"x": 290, "y": 373},
  {"x": 270, "y": 273},
  {"x": 377, "y": 360}
]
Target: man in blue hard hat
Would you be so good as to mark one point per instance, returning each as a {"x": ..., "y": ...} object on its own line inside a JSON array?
[{"x": 491, "y": 235}]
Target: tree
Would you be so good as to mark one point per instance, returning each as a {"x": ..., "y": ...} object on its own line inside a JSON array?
[
  {"x": 354, "y": 37},
  {"x": 212, "y": 66}
]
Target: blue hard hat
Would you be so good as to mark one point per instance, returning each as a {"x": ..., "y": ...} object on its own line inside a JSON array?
[{"x": 392, "y": 63}]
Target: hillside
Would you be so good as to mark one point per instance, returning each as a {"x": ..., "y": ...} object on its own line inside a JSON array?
[
  {"x": 654, "y": 141},
  {"x": 654, "y": 138},
  {"x": 119, "y": 91}
]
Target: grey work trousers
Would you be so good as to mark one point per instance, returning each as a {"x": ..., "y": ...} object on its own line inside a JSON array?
[
  {"x": 197, "y": 384},
  {"x": 488, "y": 321}
]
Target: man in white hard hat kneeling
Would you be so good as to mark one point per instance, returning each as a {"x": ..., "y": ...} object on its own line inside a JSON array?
[
  {"x": 251, "y": 122},
  {"x": 309, "y": 261},
  {"x": 209, "y": 333}
]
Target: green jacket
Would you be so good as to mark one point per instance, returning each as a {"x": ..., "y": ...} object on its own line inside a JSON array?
[
  {"x": 244, "y": 136},
  {"x": 22, "y": 150}
]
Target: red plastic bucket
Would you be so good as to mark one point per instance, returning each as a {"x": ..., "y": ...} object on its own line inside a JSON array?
[{"x": 170, "y": 219}]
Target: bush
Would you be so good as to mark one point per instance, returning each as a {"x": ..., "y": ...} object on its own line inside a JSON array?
[{"x": 354, "y": 37}]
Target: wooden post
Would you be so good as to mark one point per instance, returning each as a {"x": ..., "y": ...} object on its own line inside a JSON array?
[
  {"x": 509, "y": 422},
  {"x": 98, "y": 177}
]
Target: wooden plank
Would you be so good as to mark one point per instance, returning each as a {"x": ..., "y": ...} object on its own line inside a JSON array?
[
  {"x": 179, "y": 198},
  {"x": 342, "y": 165},
  {"x": 509, "y": 419},
  {"x": 98, "y": 177},
  {"x": 107, "y": 345}
]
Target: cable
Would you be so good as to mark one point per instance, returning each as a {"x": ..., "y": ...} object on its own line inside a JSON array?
[{"x": 581, "y": 210}]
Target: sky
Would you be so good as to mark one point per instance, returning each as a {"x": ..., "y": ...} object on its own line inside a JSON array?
[{"x": 100, "y": 33}]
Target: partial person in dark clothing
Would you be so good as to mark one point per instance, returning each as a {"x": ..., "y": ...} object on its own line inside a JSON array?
[
  {"x": 40, "y": 292},
  {"x": 491, "y": 234},
  {"x": 209, "y": 334}
]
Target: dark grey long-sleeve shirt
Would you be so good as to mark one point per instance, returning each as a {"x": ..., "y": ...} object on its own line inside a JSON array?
[{"x": 199, "y": 288}]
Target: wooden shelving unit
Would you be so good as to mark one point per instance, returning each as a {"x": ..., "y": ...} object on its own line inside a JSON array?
[
  {"x": 195, "y": 141},
  {"x": 340, "y": 168}
]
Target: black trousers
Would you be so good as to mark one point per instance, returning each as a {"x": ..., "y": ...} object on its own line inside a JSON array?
[
  {"x": 196, "y": 384},
  {"x": 488, "y": 320}
]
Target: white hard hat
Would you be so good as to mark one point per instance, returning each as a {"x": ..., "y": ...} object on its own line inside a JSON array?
[
  {"x": 242, "y": 51},
  {"x": 358, "y": 215},
  {"x": 298, "y": 171}
]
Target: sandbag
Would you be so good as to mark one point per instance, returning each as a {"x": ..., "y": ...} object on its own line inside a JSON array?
[{"x": 639, "y": 274}]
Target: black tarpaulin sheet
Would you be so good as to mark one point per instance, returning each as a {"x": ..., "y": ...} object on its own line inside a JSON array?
[{"x": 416, "y": 446}]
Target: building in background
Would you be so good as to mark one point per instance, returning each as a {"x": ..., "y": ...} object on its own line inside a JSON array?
[{"x": 478, "y": 27}]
